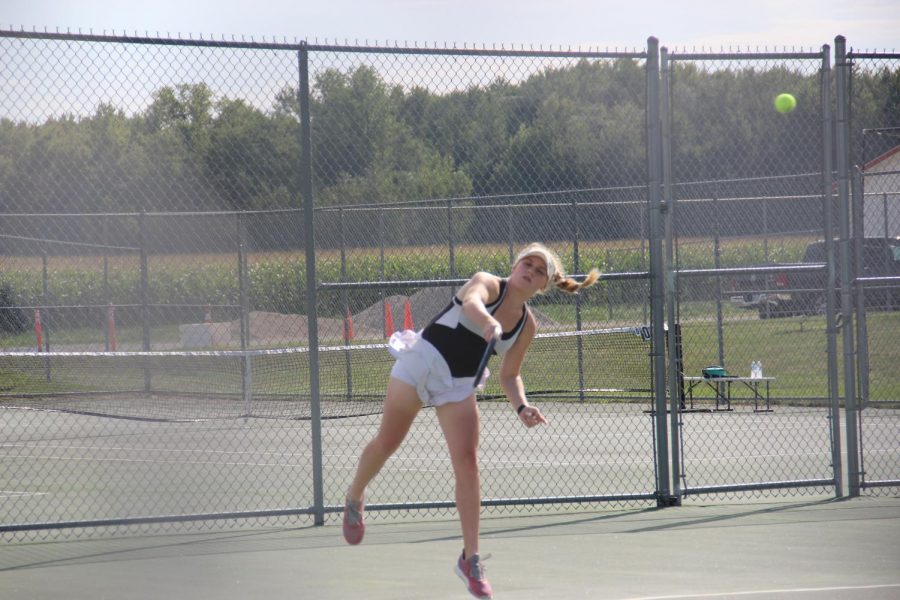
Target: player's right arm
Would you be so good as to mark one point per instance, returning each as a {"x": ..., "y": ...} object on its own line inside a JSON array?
[{"x": 482, "y": 289}]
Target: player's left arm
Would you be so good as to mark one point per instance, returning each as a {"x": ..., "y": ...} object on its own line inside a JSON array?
[{"x": 511, "y": 375}]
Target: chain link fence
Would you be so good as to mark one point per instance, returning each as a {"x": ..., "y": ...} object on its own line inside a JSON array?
[
  {"x": 757, "y": 205},
  {"x": 876, "y": 263},
  {"x": 193, "y": 309}
]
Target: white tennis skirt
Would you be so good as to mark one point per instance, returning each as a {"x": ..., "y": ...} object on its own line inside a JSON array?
[{"x": 421, "y": 365}]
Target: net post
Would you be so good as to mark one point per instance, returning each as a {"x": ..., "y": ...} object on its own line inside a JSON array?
[
  {"x": 107, "y": 323},
  {"x": 246, "y": 359},
  {"x": 145, "y": 292},
  {"x": 247, "y": 385},
  {"x": 243, "y": 296},
  {"x": 45, "y": 322}
]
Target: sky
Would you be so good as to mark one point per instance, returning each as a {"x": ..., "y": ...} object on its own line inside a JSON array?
[{"x": 709, "y": 25}]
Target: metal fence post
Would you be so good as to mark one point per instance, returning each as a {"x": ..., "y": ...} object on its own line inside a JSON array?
[
  {"x": 609, "y": 301},
  {"x": 672, "y": 332},
  {"x": 644, "y": 238},
  {"x": 842, "y": 137},
  {"x": 345, "y": 301},
  {"x": 830, "y": 327},
  {"x": 246, "y": 364},
  {"x": 510, "y": 227},
  {"x": 450, "y": 242},
  {"x": 243, "y": 295},
  {"x": 576, "y": 266},
  {"x": 657, "y": 275},
  {"x": 106, "y": 290},
  {"x": 145, "y": 292},
  {"x": 862, "y": 336},
  {"x": 717, "y": 261},
  {"x": 381, "y": 236},
  {"x": 309, "y": 230},
  {"x": 45, "y": 300}
]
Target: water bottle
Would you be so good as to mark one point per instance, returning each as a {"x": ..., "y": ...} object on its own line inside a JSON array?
[{"x": 755, "y": 370}]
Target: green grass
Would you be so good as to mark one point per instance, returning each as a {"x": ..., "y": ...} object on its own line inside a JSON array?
[
  {"x": 794, "y": 351},
  {"x": 84, "y": 336}
]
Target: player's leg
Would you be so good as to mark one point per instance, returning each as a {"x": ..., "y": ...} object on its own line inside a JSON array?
[
  {"x": 460, "y": 423},
  {"x": 401, "y": 405}
]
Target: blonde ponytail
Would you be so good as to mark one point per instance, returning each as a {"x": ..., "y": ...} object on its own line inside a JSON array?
[{"x": 570, "y": 286}]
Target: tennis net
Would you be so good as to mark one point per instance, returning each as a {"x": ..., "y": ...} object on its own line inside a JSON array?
[{"x": 593, "y": 365}]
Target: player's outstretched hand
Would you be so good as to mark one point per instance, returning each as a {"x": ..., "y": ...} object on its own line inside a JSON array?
[{"x": 532, "y": 416}]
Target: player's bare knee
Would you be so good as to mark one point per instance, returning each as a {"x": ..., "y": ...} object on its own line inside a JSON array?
[
  {"x": 466, "y": 461},
  {"x": 390, "y": 442}
]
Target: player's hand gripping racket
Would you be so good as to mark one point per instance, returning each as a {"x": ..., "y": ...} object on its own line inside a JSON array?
[{"x": 482, "y": 365}]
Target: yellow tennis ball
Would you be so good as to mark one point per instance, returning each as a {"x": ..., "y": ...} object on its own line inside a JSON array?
[{"x": 785, "y": 103}]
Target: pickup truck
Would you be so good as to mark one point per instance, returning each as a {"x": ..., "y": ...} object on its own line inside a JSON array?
[{"x": 792, "y": 293}]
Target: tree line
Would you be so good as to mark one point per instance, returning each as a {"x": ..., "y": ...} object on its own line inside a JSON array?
[{"x": 581, "y": 127}]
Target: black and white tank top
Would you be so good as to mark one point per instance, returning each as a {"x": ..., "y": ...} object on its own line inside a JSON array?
[{"x": 460, "y": 341}]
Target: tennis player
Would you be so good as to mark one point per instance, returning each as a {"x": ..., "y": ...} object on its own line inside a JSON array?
[{"x": 437, "y": 367}]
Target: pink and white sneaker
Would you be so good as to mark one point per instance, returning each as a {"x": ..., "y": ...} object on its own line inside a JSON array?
[
  {"x": 354, "y": 526},
  {"x": 471, "y": 571}
]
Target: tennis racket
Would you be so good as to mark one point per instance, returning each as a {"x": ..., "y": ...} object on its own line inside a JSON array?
[{"x": 482, "y": 365}]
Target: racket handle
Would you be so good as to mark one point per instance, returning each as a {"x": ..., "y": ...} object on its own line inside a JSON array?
[{"x": 484, "y": 360}]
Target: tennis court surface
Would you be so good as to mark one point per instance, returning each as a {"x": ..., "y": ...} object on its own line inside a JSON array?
[{"x": 788, "y": 550}]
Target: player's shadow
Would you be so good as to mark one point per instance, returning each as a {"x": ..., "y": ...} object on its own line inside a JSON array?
[
  {"x": 663, "y": 519},
  {"x": 698, "y": 520}
]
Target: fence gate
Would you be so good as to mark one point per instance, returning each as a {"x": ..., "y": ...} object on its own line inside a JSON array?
[
  {"x": 876, "y": 265},
  {"x": 774, "y": 432}
]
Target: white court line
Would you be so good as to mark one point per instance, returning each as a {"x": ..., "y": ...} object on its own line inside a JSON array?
[
  {"x": 12, "y": 494},
  {"x": 773, "y": 591},
  {"x": 229, "y": 463},
  {"x": 144, "y": 449},
  {"x": 141, "y": 449}
]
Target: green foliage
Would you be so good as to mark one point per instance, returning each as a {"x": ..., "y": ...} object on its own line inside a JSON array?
[
  {"x": 579, "y": 125},
  {"x": 367, "y": 154},
  {"x": 277, "y": 281},
  {"x": 12, "y": 318},
  {"x": 278, "y": 286},
  {"x": 250, "y": 157},
  {"x": 791, "y": 351}
]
